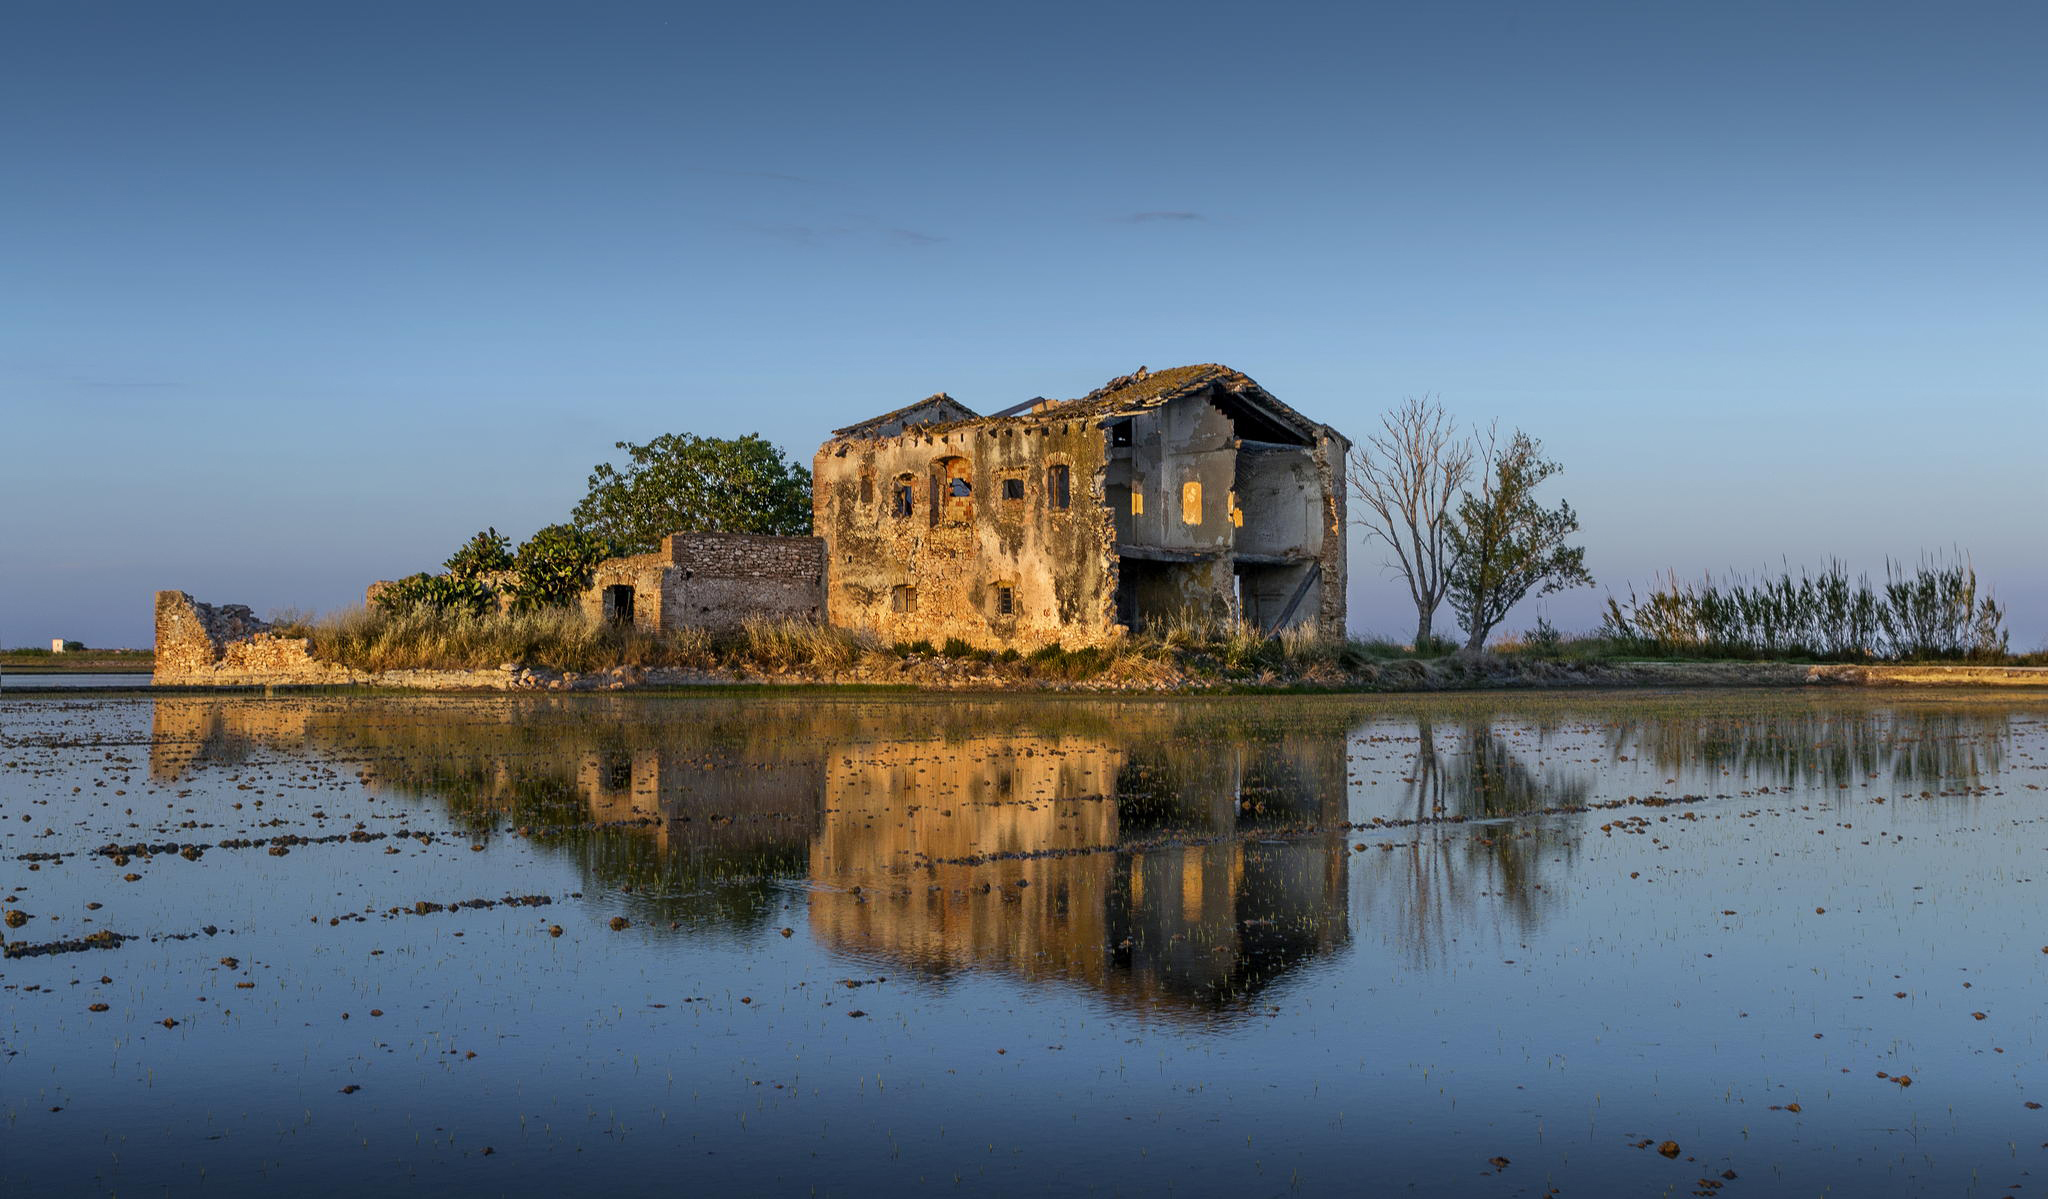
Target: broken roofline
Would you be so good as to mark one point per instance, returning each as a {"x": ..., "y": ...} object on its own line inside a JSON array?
[{"x": 1120, "y": 398}]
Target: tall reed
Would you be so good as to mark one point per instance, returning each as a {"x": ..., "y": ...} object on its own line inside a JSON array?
[{"x": 1933, "y": 611}]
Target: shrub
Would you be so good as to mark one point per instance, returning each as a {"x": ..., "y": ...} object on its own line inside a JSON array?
[
  {"x": 956, "y": 648},
  {"x": 440, "y": 593},
  {"x": 486, "y": 553},
  {"x": 555, "y": 567}
]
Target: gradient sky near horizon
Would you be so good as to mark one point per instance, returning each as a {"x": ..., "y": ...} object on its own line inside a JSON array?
[{"x": 296, "y": 296}]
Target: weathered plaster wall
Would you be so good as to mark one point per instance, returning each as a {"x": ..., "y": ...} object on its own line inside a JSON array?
[
  {"x": 955, "y": 552},
  {"x": 1333, "y": 556}
]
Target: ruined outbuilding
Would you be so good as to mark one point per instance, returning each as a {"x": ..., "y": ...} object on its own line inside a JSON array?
[
  {"x": 1189, "y": 493},
  {"x": 715, "y": 581}
]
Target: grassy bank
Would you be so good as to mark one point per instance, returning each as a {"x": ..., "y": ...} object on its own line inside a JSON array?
[
  {"x": 85, "y": 661},
  {"x": 1179, "y": 653},
  {"x": 371, "y": 639}
]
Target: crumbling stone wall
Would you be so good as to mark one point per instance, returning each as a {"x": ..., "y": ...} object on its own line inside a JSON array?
[{"x": 226, "y": 645}]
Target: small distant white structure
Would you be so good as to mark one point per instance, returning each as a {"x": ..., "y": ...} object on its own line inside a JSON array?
[{"x": 56, "y": 645}]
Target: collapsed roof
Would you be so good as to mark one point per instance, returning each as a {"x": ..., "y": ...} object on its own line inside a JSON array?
[{"x": 1252, "y": 409}]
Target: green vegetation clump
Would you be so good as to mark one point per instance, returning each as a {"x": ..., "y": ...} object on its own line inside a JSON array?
[
  {"x": 555, "y": 565},
  {"x": 682, "y": 483},
  {"x": 486, "y": 553},
  {"x": 439, "y": 593}
]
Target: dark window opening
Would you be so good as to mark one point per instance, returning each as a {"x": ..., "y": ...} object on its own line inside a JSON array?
[
  {"x": 904, "y": 500},
  {"x": 1120, "y": 433},
  {"x": 902, "y": 598},
  {"x": 867, "y": 489},
  {"x": 1013, "y": 489},
  {"x": 1006, "y": 602},
  {"x": 618, "y": 604},
  {"x": 1056, "y": 494}
]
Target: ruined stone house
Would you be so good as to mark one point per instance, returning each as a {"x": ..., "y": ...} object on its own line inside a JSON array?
[
  {"x": 711, "y": 581},
  {"x": 1190, "y": 491}
]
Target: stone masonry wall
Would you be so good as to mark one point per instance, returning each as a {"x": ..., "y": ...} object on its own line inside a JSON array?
[
  {"x": 226, "y": 645},
  {"x": 718, "y": 580}
]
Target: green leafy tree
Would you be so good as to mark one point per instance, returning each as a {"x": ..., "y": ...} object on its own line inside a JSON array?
[
  {"x": 682, "y": 483},
  {"x": 555, "y": 565},
  {"x": 486, "y": 553},
  {"x": 1505, "y": 545}
]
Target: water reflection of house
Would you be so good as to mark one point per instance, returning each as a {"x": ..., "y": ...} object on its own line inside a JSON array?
[{"x": 1131, "y": 865}]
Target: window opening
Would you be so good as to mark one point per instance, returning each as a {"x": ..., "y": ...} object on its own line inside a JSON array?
[
  {"x": 1013, "y": 489},
  {"x": 905, "y": 497},
  {"x": 1191, "y": 502},
  {"x": 952, "y": 492},
  {"x": 1006, "y": 601},
  {"x": 902, "y": 598},
  {"x": 1120, "y": 433},
  {"x": 1056, "y": 486}
]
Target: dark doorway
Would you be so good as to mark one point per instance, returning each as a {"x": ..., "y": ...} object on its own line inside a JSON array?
[
  {"x": 618, "y": 604},
  {"x": 1146, "y": 591}
]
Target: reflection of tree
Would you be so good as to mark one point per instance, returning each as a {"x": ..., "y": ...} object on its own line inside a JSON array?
[{"x": 1480, "y": 778}]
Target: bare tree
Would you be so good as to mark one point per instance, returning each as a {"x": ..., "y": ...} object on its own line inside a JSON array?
[{"x": 1407, "y": 476}]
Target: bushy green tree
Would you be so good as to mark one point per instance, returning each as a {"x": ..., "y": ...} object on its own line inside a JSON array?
[
  {"x": 1505, "y": 545},
  {"x": 682, "y": 483},
  {"x": 555, "y": 565},
  {"x": 486, "y": 553}
]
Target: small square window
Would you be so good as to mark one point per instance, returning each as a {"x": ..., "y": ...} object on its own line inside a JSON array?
[
  {"x": 902, "y": 598},
  {"x": 1013, "y": 489}
]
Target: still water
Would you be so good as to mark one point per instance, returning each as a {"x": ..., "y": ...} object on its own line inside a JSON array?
[{"x": 800, "y": 944}]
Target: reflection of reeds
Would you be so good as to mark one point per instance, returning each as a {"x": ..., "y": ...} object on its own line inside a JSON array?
[{"x": 1825, "y": 747}]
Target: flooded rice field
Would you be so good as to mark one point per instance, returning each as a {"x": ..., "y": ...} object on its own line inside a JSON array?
[{"x": 1716, "y": 943}]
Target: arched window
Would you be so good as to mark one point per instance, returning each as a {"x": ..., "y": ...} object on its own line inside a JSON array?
[{"x": 952, "y": 491}]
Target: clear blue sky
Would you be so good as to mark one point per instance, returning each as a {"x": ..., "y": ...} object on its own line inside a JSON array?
[{"x": 295, "y": 296}]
